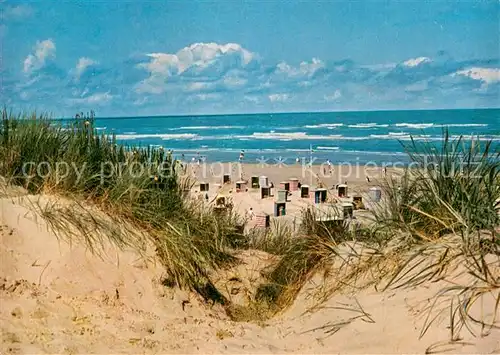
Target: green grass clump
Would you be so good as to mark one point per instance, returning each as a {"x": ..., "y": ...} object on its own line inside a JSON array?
[
  {"x": 450, "y": 188},
  {"x": 316, "y": 242},
  {"x": 449, "y": 205},
  {"x": 276, "y": 240},
  {"x": 136, "y": 186}
]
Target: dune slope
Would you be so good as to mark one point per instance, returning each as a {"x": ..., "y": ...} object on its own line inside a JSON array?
[{"x": 60, "y": 298}]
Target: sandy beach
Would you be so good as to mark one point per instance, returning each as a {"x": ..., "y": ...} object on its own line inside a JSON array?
[
  {"x": 59, "y": 298},
  {"x": 316, "y": 176}
]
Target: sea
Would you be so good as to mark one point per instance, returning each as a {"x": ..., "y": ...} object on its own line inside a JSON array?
[{"x": 340, "y": 137}]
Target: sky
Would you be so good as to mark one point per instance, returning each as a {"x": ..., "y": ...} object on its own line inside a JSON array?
[{"x": 137, "y": 58}]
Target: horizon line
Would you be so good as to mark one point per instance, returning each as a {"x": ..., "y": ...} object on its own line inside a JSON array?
[{"x": 288, "y": 112}]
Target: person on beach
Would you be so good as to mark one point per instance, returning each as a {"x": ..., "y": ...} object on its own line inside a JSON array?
[{"x": 250, "y": 213}]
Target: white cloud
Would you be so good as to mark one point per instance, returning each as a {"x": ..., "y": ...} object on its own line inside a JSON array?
[
  {"x": 204, "y": 97},
  {"x": 16, "y": 12},
  {"x": 82, "y": 65},
  {"x": 234, "y": 82},
  {"x": 203, "y": 53},
  {"x": 416, "y": 61},
  {"x": 141, "y": 101},
  {"x": 43, "y": 51},
  {"x": 253, "y": 99},
  {"x": 199, "y": 86},
  {"x": 279, "y": 97},
  {"x": 85, "y": 92},
  {"x": 335, "y": 96},
  {"x": 95, "y": 99},
  {"x": 195, "y": 58},
  {"x": 304, "y": 69},
  {"x": 380, "y": 67},
  {"x": 196, "y": 55},
  {"x": 486, "y": 75}
]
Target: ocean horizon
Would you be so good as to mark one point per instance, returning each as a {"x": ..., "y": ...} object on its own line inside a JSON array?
[{"x": 341, "y": 137}]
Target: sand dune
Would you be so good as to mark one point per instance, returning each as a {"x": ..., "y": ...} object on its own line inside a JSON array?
[{"x": 60, "y": 298}]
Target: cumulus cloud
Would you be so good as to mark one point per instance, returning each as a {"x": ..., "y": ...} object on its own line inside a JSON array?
[
  {"x": 486, "y": 75},
  {"x": 304, "y": 69},
  {"x": 43, "y": 51},
  {"x": 82, "y": 64},
  {"x": 416, "y": 61},
  {"x": 199, "y": 59}
]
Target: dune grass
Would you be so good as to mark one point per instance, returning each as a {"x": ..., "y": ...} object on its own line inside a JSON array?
[
  {"x": 452, "y": 187},
  {"x": 136, "y": 186},
  {"x": 448, "y": 205},
  {"x": 300, "y": 259},
  {"x": 274, "y": 240}
]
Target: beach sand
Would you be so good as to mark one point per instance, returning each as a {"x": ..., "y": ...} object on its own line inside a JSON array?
[
  {"x": 355, "y": 177},
  {"x": 60, "y": 298}
]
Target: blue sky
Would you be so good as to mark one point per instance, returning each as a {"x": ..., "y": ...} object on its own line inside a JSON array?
[{"x": 181, "y": 57}]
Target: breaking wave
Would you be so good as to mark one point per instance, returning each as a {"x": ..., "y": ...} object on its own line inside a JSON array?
[
  {"x": 325, "y": 125},
  {"x": 368, "y": 125},
  {"x": 159, "y": 135},
  {"x": 429, "y": 125},
  {"x": 205, "y": 127},
  {"x": 327, "y": 148}
]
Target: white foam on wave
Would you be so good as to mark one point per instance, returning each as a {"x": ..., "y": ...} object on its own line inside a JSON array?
[
  {"x": 204, "y": 127},
  {"x": 373, "y": 152},
  {"x": 494, "y": 138},
  {"x": 325, "y": 125},
  {"x": 158, "y": 135},
  {"x": 398, "y": 133},
  {"x": 327, "y": 148},
  {"x": 367, "y": 125},
  {"x": 403, "y": 136},
  {"x": 287, "y": 136},
  {"x": 415, "y": 125},
  {"x": 465, "y": 125},
  {"x": 286, "y": 128},
  {"x": 429, "y": 125},
  {"x": 296, "y": 150}
]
